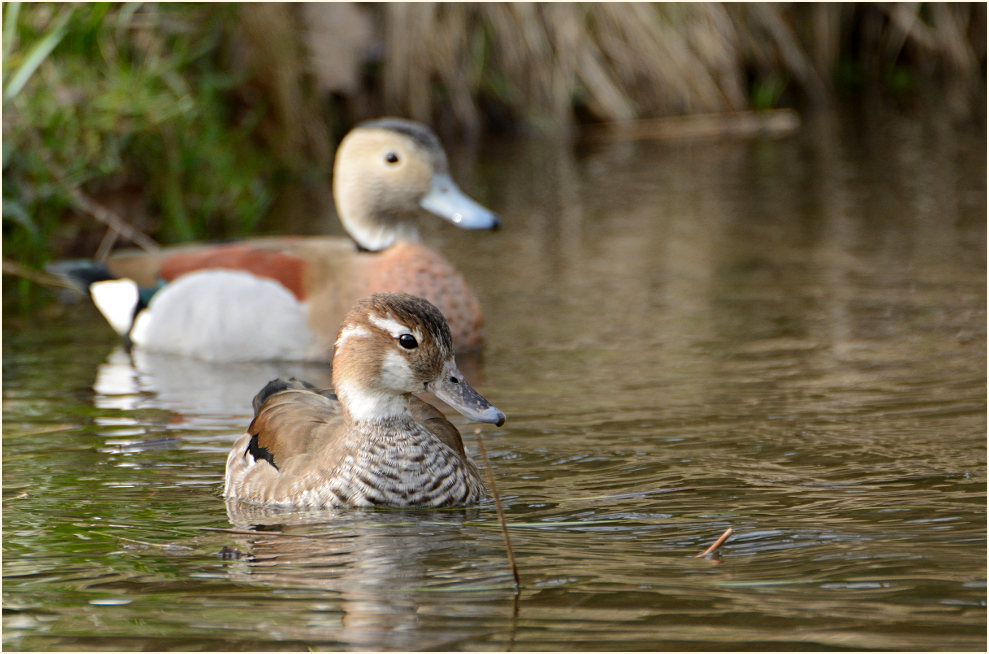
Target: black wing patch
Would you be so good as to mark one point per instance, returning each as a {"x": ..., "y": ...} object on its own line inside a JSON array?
[{"x": 260, "y": 453}]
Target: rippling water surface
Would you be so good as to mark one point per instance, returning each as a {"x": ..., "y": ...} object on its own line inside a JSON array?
[{"x": 785, "y": 337}]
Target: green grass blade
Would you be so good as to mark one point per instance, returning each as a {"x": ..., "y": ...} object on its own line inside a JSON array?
[
  {"x": 38, "y": 54},
  {"x": 10, "y": 27}
]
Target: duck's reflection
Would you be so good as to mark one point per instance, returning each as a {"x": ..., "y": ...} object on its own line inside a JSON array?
[
  {"x": 382, "y": 568},
  {"x": 137, "y": 379}
]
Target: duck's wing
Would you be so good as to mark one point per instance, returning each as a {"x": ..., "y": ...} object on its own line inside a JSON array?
[
  {"x": 433, "y": 419},
  {"x": 295, "y": 438},
  {"x": 292, "y": 417},
  {"x": 277, "y": 385},
  {"x": 286, "y": 260}
]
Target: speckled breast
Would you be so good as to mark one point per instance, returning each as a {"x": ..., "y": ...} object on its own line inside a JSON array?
[{"x": 408, "y": 469}]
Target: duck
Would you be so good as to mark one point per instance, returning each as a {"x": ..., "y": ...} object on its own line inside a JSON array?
[
  {"x": 283, "y": 298},
  {"x": 369, "y": 441}
]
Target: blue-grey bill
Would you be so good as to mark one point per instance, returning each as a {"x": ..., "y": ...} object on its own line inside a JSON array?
[
  {"x": 452, "y": 388},
  {"x": 447, "y": 201}
]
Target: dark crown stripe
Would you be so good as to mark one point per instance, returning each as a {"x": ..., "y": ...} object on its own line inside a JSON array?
[
  {"x": 415, "y": 131},
  {"x": 409, "y": 309}
]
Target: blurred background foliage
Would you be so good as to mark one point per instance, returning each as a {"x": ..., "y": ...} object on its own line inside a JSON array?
[{"x": 144, "y": 123}]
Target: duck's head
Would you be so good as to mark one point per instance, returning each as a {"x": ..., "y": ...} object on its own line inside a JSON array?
[
  {"x": 394, "y": 344},
  {"x": 389, "y": 168}
]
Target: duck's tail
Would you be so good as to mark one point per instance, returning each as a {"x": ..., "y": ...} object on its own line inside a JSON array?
[
  {"x": 80, "y": 273},
  {"x": 119, "y": 299}
]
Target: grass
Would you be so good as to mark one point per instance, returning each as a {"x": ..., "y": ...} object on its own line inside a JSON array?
[{"x": 127, "y": 109}]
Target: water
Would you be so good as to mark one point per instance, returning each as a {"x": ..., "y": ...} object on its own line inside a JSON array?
[{"x": 786, "y": 337}]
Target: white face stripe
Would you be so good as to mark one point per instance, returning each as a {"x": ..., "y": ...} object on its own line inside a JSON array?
[
  {"x": 350, "y": 331},
  {"x": 392, "y": 326}
]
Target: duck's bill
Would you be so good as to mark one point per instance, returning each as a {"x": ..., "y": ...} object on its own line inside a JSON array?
[
  {"x": 451, "y": 387},
  {"x": 447, "y": 201}
]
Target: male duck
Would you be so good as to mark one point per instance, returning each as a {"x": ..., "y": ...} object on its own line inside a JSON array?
[
  {"x": 285, "y": 297},
  {"x": 372, "y": 442}
]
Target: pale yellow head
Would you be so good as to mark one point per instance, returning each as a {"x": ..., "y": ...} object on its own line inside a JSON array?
[{"x": 388, "y": 169}]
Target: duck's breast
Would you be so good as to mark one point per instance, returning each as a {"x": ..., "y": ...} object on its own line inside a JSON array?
[{"x": 416, "y": 269}]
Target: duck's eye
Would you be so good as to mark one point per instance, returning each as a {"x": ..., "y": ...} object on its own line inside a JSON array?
[
  {"x": 408, "y": 341},
  {"x": 391, "y": 157}
]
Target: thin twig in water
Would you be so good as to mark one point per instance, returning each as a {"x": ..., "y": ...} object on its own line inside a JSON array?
[
  {"x": 718, "y": 543},
  {"x": 161, "y": 546},
  {"x": 501, "y": 512},
  {"x": 254, "y": 532},
  {"x": 38, "y": 277}
]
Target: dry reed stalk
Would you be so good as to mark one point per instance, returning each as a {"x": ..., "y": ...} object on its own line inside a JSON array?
[
  {"x": 38, "y": 277},
  {"x": 256, "y": 532},
  {"x": 655, "y": 61},
  {"x": 770, "y": 27},
  {"x": 338, "y": 36},
  {"x": 499, "y": 510},
  {"x": 297, "y": 132},
  {"x": 450, "y": 44},
  {"x": 949, "y": 30},
  {"x": 82, "y": 202},
  {"x": 824, "y": 37},
  {"x": 625, "y": 61},
  {"x": 722, "y": 539},
  {"x": 443, "y": 63}
]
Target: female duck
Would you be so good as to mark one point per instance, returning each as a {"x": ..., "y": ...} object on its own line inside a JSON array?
[
  {"x": 215, "y": 297},
  {"x": 371, "y": 442}
]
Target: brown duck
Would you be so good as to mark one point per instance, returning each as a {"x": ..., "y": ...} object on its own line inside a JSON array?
[
  {"x": 369, "y": 441},
  {"x": 386, "y": 171}
]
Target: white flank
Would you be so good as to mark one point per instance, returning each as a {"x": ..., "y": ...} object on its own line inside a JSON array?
[
  {"x": 226, "y": 315},
  {"x": 392, "y": 326},
  {"x": 116, "y": 299},
  {"x": 142, "y": 324}
]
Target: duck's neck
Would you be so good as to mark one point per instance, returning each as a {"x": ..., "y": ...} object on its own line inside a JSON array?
[
  {"x": 365, "y": 407},
  {"x": 375, "y": 236},
  {"x": 374, "y": 230}
]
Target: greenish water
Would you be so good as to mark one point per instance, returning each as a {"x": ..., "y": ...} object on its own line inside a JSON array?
[{"x": 787, "y": 337}]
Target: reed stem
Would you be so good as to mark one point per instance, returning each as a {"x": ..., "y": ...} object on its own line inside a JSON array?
[
  {"x": 499, "y": 510},
  {"x": 722, "y": 539}
]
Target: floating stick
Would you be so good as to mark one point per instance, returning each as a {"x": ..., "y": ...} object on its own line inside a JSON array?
[
  {"x": 501, "y": 512},
  {"x": 718, "y": 543}
]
